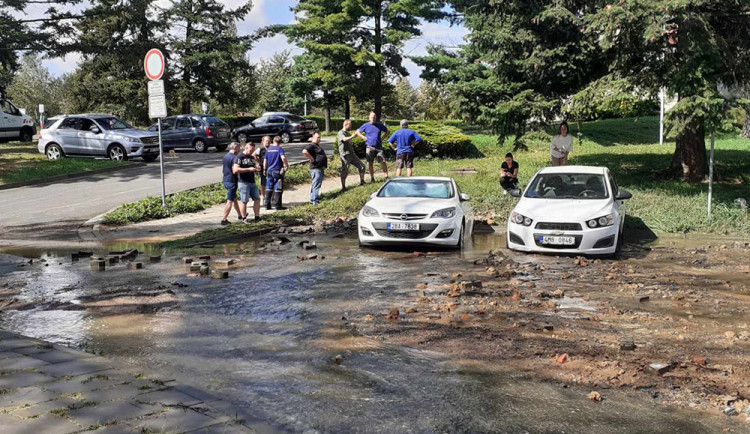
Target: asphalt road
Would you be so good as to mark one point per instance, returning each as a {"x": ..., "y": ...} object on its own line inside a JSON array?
[{"x": 78, "y": 200}]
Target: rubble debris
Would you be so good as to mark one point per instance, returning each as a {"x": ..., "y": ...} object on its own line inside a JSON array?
[
  {"x": 643, "y": 298},
  {"x": 562, "y": 358},
  {"x": 338, "y": 359},
  {"x": 627, "y": 344},
  {"x": 98, "y": 265},
  {"x": 393, "y": 314},
  {"x": 595, "y": 396},
  {"x": 135, "y": 265},
  {"x": 701, "y": 361},
  {"x": 154, "y": 259},
  {"x": 220, "y": 274},
  {"x": 660, "y": 368},
  {"x": 187, "y": 260},
  {"x": 310, "y": 246}
]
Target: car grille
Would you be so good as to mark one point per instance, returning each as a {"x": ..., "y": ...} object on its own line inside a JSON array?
[
  {"x": 408, "y": 216},
  {"x": 150, "y": 140},
  {"x": 426, "y": 231},
  {"x": 559, "y": 226}
]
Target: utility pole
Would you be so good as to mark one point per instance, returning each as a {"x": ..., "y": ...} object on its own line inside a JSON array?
[
  {"x": 711, "y": 174},
  {"x": 661, "y": 116}
]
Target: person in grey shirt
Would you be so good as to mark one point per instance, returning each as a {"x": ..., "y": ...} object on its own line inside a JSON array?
[{"x": 347, "y": 155}]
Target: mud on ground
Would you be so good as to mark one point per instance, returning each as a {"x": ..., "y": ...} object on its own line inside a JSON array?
[{"x": 672, "y": 321}]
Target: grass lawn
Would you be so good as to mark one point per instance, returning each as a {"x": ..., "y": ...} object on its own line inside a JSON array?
[
  {"x": 22, "y": 162},
  {"x": 628, "y": 147}
]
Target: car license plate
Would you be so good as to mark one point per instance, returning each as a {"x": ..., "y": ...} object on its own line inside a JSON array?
[
  {"x": 403, "y": 226},
  {"x": 558, "y": 241},
  {"x": 223, "y": 134}
]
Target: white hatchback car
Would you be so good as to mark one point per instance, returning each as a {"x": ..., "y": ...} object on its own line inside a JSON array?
[
  {"x": 418, "y": 210},
  {"x": 569, "y": 209}
]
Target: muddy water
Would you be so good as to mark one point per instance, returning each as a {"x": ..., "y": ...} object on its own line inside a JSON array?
[{"x": 268, "y": 339}]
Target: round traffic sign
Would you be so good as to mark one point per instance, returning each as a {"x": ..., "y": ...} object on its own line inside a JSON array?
[{"x": 153, "y": 64}]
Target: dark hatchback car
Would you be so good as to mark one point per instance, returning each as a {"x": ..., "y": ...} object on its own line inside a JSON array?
[
  {"x": 285, "y": 125},
  {"x": 199, "y": 132}
]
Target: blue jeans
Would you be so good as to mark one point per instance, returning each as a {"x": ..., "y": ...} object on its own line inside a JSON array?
[
  {"x": 317, "y": 182},
  {"x": 274, "y": 181}
]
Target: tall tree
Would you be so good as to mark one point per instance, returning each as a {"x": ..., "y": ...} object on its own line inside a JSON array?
[
  {"x": 402, "y": 103},
  {"x": 433, "y": 101},
  {"x": 275, "y": 81},
  {"x": 689, "y": 47},
  {"x": 205, "y": 49},
  {"x": 33, "y": 85},
  {"x": 521, "y": 60}
]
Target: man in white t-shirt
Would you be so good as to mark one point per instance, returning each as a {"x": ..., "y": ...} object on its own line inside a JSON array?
[{"x": 561, "y": 146}]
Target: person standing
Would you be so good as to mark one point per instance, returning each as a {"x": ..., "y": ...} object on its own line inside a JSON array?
[
  {"x": 405, "y": 140},
  {"x": 561, "y": 146},
  {"x": 318, "y": 164},
  {"x": 347, "y": 155},
  {"x": 509, "y": 173},
  {"x": 245, "y": 166},
  {"x": 373, "y": 137},
  {"x": 230, "y": 182},
  {"x": 275, "y": 166},
  {"x": 260, "y": 156}
]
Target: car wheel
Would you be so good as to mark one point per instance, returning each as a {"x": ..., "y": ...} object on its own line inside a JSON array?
[
  {"x": 221, "y": 148},
  {"x": 242, "y": 137},
  {"x": 117, "y": 153},
  {"x": 618, "y": 246},
  {"x": 54, "y": 152},
  {"x": 200, "y": 146},
  {"x": 26, "y": 135},
  {"x": 149, "y": 158},
  {"x": 460, "y": 244},
  {"x": 286, "y": 138}
]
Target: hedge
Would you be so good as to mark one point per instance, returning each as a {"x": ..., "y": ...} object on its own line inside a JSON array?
[
  {"x": 338, "y": 123},
  {"x": 438, "y": 141}
]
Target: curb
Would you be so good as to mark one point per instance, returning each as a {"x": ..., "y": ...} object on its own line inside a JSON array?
[{"x": 54, "y": 179}]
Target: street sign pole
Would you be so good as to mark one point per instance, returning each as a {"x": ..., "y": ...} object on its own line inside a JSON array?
[
  {"x": 161, "y": 164},
  {"x": 711, "y": 174}
]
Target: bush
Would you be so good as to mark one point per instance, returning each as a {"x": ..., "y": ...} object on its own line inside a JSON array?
[{"x": 438, "y": 141}]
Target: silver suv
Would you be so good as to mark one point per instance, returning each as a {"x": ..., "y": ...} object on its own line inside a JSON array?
[{"x": 96, "y": 136}]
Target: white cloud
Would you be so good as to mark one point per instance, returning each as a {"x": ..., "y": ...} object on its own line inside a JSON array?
[{"x": 62, "y": 65}]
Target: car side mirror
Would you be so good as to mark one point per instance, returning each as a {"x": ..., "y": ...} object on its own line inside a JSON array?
[
  {"x": 374, "y": 195},
  {"x": 515, "y": 192},
  {"x": 624, "y": 195},
  {"x": 465, "y": 197},
  {"x": 94, "y": 129}
]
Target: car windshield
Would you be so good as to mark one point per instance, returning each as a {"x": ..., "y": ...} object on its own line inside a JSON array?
[
  {"x": 417, "y": 188},
  {"x": 567, "y": 186},
  {"x": 113, "y": 124},
  {"x": 213, "y": 122}
]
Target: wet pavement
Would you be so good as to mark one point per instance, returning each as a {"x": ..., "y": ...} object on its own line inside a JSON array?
[{"x": 305, "y": 346}]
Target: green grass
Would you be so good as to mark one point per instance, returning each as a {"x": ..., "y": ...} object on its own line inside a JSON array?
[
  {"x": 22, "y": 162},
  {"x": 628, "y": 147}
]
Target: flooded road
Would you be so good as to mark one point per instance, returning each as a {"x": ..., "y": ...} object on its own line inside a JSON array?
[{"x": 305, "y": 346}]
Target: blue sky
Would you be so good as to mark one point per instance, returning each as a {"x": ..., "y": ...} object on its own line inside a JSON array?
[{"x": 266, "y": 12}]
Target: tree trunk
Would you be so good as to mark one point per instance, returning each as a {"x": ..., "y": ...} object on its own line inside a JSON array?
[
  {"x": 378, "y": 91},
  {"x": 347, "y": 108},
  {"x": 746, "y": 128},
  {"x": 327, "y": 97},
  {"x": 689, "y": 160}
]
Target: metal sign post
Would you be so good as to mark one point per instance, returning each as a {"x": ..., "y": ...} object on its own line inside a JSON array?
[
  {"x": 711, "y": 174},
  {"x": 153, "y": 64}
]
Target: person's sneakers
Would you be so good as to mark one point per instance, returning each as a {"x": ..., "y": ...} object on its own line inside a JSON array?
[
  {"x": 225, "y": 222},
  {"x": 257, "y": 218},
  {"x": 242, "y": 219},
  {"x": 362, "y": 183},
  {"x": 505, "y": 192}
]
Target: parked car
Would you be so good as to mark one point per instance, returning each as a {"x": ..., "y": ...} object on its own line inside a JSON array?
[
  {"x": 96, "y": 135},
  {"x": 199, "y": 132},
  {"x": 287, "y": 126},
  {"x": 569, "y": 209},
  {"x": 418, "y": 210},
  {"x": 15, "y": 123}
]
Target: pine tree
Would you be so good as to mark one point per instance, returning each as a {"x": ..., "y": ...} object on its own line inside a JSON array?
[{"x": 33, "y": 85}]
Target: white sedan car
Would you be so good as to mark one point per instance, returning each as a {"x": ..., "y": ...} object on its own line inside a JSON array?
[
  {"x": 418, "y": 210},
  {"x": 569, "y": 209}
]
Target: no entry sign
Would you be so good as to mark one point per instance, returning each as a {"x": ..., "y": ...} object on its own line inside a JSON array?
[{"x": 153, "y": 64}]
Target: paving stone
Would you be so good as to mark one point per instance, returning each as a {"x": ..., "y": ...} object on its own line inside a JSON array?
[
  {"x": 86, "y": 382},
  {"x": 76, "y": 367},
  {"x": 120, "y": 428},
  {"x": 44, "y": 407},
  {"x": 23, "y": 379},
  {"x": 175, "y": 420},
  {"x": 53, "y": 353},
  {"x": 109, "y": 412},
  {"x": 223, "y": 428},
  {"x": 4, "y": 334},
  {"x": 12, "y": 343},
  {"x": 47, "y": 424},
  {"x": 21, "y": 362},
  {"x": 26, "y": 396},
  {"x": 167, "y": 397},
  {"x": 120, "y": 392},
  {"x": 195, "y": 393}
]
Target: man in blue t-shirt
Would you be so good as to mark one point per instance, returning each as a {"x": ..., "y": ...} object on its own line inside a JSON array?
[
  {"x": 372, "y": 133},
  {"x": 275, "y": 166},
  {"x": 230, "y": 182},
  {"x": 405, "y": 139}
]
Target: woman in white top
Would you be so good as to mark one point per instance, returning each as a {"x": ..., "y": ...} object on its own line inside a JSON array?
[{"x": 561, "y": 146}]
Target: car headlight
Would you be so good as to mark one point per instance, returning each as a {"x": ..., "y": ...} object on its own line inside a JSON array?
[
  {"x": 446, "y": 213},
  {"x": 369, "y": 211},
  {"x": 133, "y": 139},
  {"x": 601, "y": 222},
  {"x": 520, "y": 219}
]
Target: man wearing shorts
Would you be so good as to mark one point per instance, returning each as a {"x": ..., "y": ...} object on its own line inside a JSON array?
[
  {"x": 347, "y": 155},
  {"x": 405, "y": 140},
  {"x": 245, "y": 167},
  {"x": 372, "y": 134},
  {"x": 275, "y": 166},
  {"x": 230, "y": 182},
  {"x": 260, "y": 155}
]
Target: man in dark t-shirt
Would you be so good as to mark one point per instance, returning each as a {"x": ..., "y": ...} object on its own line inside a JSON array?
[
  {"x": 509, "y": 173},
  {"x": 318, "y": 163},
  {"x": 245, "y": 166},
  {"x": 230, "y": 182}
]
